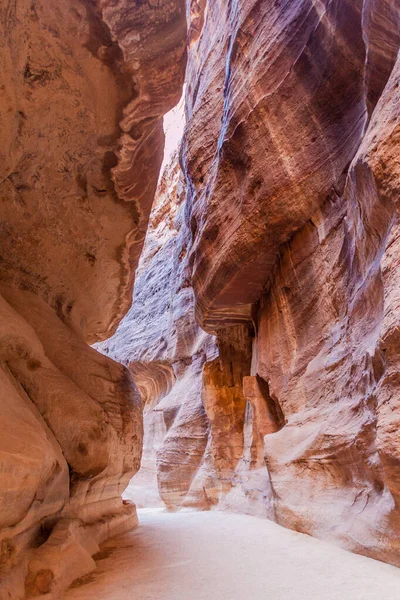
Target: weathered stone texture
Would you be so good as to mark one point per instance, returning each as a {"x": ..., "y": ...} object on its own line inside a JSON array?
[
  {"x": 165, "y": 350},
  {"x": 291, "y": 184},
  {"x": 263, "y": 334},
  {"x": 289, "y": 160},
  {"x": 84, "y": 86}
]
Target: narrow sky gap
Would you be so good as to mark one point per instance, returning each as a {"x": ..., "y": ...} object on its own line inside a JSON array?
[{"x": 174, "y": 124}]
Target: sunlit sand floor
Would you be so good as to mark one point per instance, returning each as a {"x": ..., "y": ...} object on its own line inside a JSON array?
[{"x": 223, "y": 556}]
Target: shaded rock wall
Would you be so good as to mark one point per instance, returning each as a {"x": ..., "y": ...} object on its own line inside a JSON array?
[
  {"x": 165, "y": 351},
  {"x": 190, "y": 382},
  {"x": 290, "y": 222},
  {"x": 84, "y": 87},
  {"x": 276, "y": 111}
]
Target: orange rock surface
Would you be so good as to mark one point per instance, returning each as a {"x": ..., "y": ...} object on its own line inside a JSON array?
[{"x": 84, "y": 86}]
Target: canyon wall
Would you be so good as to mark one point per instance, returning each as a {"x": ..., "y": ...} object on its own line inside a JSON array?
[
  {"x": 165, "y": 350},
  {"x": 284, "y": 249},
  {"x": 84, "y": 86}
]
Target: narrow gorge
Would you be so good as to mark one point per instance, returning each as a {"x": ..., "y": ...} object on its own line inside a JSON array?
[{"x": 214, "y": 325}]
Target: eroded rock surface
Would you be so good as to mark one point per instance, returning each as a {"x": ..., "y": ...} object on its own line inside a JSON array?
[
  {"x": 290, "y": 222},
  {"x": 292, "y": 204},
  {"x": 263, "y": 334},
  {"x": 84, "y": 86},
  {"x": 166, "y": 350}
]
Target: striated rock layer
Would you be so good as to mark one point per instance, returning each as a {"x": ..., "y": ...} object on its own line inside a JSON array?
[
  {"x": 165, "y": 350},
  {"x": 287, "y": 246},
  {"x": 289, "y": 159},
  {"x": 84, "y": 86},
  {"x": 190, "y": 382}
]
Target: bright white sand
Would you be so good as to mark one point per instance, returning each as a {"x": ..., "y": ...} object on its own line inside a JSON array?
[{"x": 223, "y": 556}]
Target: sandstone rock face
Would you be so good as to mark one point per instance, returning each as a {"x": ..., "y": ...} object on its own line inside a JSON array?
[
  {"x": 264, "y": 331},
  {"x": 166, "y": 350},
  {"x": 84, "y": 86},
  {"x": 292, "y": 205},
  {"x": 190, "y": 382},
  {"x": 277, "y": 110},
  {"x": 289, "y": 240}
]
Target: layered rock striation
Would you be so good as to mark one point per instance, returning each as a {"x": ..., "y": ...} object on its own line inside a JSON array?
[
  {"x": 84, "y": 86},
  {"x": 290, "y": 219},
  {"x": 263, "y": 335},
  {"x": 165, "y": 350},
  {"x": 292, "y": 205},
  {"x": 190, "y": 381}
]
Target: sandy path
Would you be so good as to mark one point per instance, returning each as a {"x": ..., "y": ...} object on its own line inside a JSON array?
[{"x": 222, "y": 556}]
